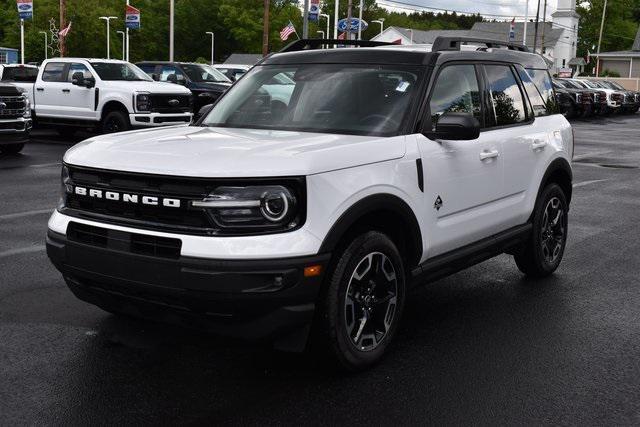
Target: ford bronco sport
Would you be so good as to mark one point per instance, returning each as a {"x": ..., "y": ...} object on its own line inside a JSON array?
[{"x": 314, "y": 215}]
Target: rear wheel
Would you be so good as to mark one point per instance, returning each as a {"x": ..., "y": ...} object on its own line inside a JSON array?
[
  {"x": 11, "y": 148},
  {"x": 361, "y": 308},
  {"x": 543, "y": 252},
  {"x": 115, "y": 121}
]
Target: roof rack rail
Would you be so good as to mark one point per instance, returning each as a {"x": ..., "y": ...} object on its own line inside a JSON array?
[
  {"x": 454, "y": 43},
  {"x": 310, "y": 44}
]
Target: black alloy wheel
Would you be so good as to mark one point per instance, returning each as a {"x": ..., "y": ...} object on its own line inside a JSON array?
[{"x": 114, "y": 122}]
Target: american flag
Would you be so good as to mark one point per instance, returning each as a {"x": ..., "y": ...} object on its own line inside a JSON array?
[
  {"x": 287, "y": 31},
  {"x": 65, "y": 31}
]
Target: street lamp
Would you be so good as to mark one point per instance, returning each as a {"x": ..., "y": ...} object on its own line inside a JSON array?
[
  {"x": 171, "y": 25},
  {"x": 360, "y": 20},
  {"x": 108, "y": 19},
  {"x": 212, "y": 45},
  {"x": 45, "y": 44},
  {"x": 328, "y": 17},
  {"x": 320, "y": 32},
  {"x": 381, "y": 22},
  {"x": 123, "y": 43}
]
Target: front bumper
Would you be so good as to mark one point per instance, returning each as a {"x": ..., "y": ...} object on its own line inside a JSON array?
[
  {"x": 15, "y": 131},
  {"x": 159, "y": 119},
  {"x": 252, "y": 299}
]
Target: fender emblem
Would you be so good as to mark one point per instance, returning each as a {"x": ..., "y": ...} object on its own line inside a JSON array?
[{"x": 438, "y": 204}]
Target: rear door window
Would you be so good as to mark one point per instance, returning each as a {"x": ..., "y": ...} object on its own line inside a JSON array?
[
  {"x": 506, "y": 97},
  {"x": 54, "y": 72},
  {"x": 537, "y": 102}
]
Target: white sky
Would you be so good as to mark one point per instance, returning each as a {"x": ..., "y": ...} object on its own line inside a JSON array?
[{"x": 499, "y": 7}]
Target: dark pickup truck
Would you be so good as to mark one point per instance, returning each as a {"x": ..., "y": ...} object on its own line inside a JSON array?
[{"x": 15, "y": 118}]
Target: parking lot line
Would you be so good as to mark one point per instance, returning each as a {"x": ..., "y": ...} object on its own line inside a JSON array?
[
  {"x": 593, "y": 181},
  {"x": 23, "y": 214},
  {"x": 20, "y": 251}
]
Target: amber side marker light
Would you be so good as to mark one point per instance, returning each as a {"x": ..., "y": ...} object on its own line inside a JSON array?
[{"x": 312, "y": 271}]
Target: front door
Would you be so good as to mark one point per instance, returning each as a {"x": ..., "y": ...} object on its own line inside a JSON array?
[
  {"x": 79, "y": 101},
  {"x": 463, "y": 179}
]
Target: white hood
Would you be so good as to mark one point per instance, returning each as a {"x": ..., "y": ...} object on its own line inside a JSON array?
[
  {"x": 220, "y": 152},
  {"x": 144, "y": 86}
]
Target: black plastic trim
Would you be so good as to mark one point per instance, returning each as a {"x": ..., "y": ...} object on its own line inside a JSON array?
[{"x": 420, "y": 174}]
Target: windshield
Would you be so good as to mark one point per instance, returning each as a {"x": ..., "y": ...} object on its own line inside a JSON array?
[
  {"x": 202, "y": 73},
  {"x": 20, "y": 74},
  {"x": 579, "y": 84},
  {"x": 614, "y": 85},
  {"x": 332, "y": 98},
  {"x": 570, "y": 85},
  {"x": 119, "y": 71}
]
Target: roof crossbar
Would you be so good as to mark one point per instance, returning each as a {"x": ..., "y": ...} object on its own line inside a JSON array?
[
  {"x": 310, "y": 44},
  {"x": 454, "y": 43}
]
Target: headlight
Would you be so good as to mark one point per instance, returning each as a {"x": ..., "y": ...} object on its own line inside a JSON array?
[
  {"x": 143, "y": 102},
  {"x": 27, "y": 107},
  {"x": 578, "y": 97},
  {"x": 261, "y": 208},
  {"x": 65, "y": 188}
]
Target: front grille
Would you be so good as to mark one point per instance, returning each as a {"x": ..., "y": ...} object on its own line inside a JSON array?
[
  {"x": 140, "y": 244},
  {"x": 183, "y": 219},
  {"x": 617, "y": 97},
  {"x": 12, "y": 126},
  {"x": 163, "y": 103},
  {"x": 13, "y": 108}
]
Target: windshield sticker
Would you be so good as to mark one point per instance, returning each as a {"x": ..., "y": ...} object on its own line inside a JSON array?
[{"x": 402, "y": 87}]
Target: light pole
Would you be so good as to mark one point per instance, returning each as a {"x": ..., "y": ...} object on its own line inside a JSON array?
[
  {"x": 360, "y": 20},
  {"x": 410, "y": 32},
  {"x": 108, "y": 19},
  {"x": 320, "y": 32},
  {"x": 335, "y": 18},
  {"x": 328, "y": 18},
  {"x": 171, "y": 25},
  {"x": 212, "y": 46},
  {"x": 46, "y": 44},
  {"x": 123, "y": 43},
  {"x": 381, "y": 22}
]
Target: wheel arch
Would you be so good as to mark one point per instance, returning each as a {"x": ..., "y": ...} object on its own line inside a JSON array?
[
  {"x": 113, "y": 105},
  {"x": 559, "y": 171},
  {"x": 383, "y": 212}
]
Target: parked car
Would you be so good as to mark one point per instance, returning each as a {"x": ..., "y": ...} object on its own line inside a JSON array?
[
  {"x": 574, "y": 101},
  {"x": 631, "y": 102},
  {"x": 206, "y": 84},
  {"x": 600, "y": 102},
  {"x": 15, "y": 118},
  {"x": 232, "y": 71},
  {"x": 22, "y": 76},
  {"x": 387, "y": 169},
  {"x": 105, "y": 95},
  {"x": 615, "y": 98}
]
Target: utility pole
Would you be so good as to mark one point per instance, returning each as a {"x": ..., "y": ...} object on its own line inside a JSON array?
[
  {"x": 213, "y": 38},
  {"x": 604, "y": 12},
  {"x": 265, "y": 29},
  {"x": 336, "y": 19},
  {"x": 535, "y": 33},
  {"x": 126, "y": 43},
  {"x": 305, "y": 20},
  {"x": 360, "y": 20},
  {"x": 61, "y": 40},
  {"x": 526, "y": 21},
  {"x": 349, "y": 16},
  {"x": 22, "y": 40},
  {"x": 171, "y": 26},
  {"x": 544, "y": 23}
]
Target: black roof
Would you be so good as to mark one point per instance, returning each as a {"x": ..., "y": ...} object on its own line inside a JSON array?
[{"x": 402, "y": 56}]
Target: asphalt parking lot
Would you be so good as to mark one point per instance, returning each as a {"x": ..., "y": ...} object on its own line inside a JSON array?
[{"x": 484, "y": 346}]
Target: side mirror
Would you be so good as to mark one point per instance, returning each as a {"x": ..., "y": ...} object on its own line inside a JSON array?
[
  {"x": 456, "y": 127},
  {"x": 203, "y": 111},
  {"x": 172, "y": 78},
  {"x": 155, "y": 77},
  {"x": 77, "y": 78}
]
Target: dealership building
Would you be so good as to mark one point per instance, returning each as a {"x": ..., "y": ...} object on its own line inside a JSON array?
[
  {"x": 8, "y": 55},
  {"x": 624, "y": 62}
]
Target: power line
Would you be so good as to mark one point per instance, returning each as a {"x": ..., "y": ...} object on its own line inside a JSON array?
[{"x": 416, "y": 7}]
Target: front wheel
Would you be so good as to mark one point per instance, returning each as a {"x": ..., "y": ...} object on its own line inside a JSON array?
[
  {"x": 363, "y": 302},
  {"x": 543, "y": 252},
  {"x": 115, "y": 121}
]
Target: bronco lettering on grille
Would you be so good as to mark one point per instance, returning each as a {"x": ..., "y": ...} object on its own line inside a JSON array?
[{"x": 126, "y": 197}]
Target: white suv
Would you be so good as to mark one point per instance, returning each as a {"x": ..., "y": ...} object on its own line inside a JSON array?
[
  {"x": 271, "y": 219},
  {"x": 107, "y": 95}
]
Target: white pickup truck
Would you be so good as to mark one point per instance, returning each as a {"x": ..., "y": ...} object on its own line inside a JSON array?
[
  {"x": 22, "y": 76},
  {"x": 105, "y": 95}
]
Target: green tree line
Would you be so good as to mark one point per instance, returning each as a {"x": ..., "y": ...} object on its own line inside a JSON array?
[{"x": 237, "y": 25}]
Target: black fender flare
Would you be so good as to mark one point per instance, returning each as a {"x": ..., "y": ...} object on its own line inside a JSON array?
[
  {"x": 375, "y": 203},
  {"x": 558, "y": 165}
]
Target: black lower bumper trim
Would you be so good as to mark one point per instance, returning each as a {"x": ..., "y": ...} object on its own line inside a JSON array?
[{"x": 253, "y": 299}]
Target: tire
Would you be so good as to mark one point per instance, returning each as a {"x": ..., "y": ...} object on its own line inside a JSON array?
[
  {"x": 66, "y": 132},
  {"x": 543, "y": 252},
  {"x": 11, "y": 148},
  {"x": 348, "y": 302},
  {"x": 571, "y": 111},
  {"x": 115, "y": 121}
]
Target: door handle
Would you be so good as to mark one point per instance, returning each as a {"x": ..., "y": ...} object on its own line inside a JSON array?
[
  {"x": 538, "y": 144},
  {"x": 66, "y": 90},
  {"x": 489, "y": 154},
  {"x": 40, "y": 89}
]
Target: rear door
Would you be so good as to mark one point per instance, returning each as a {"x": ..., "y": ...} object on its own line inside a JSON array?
[
  {"x": 463, "y": 179},
  {"x": 49, "y": 90}
]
